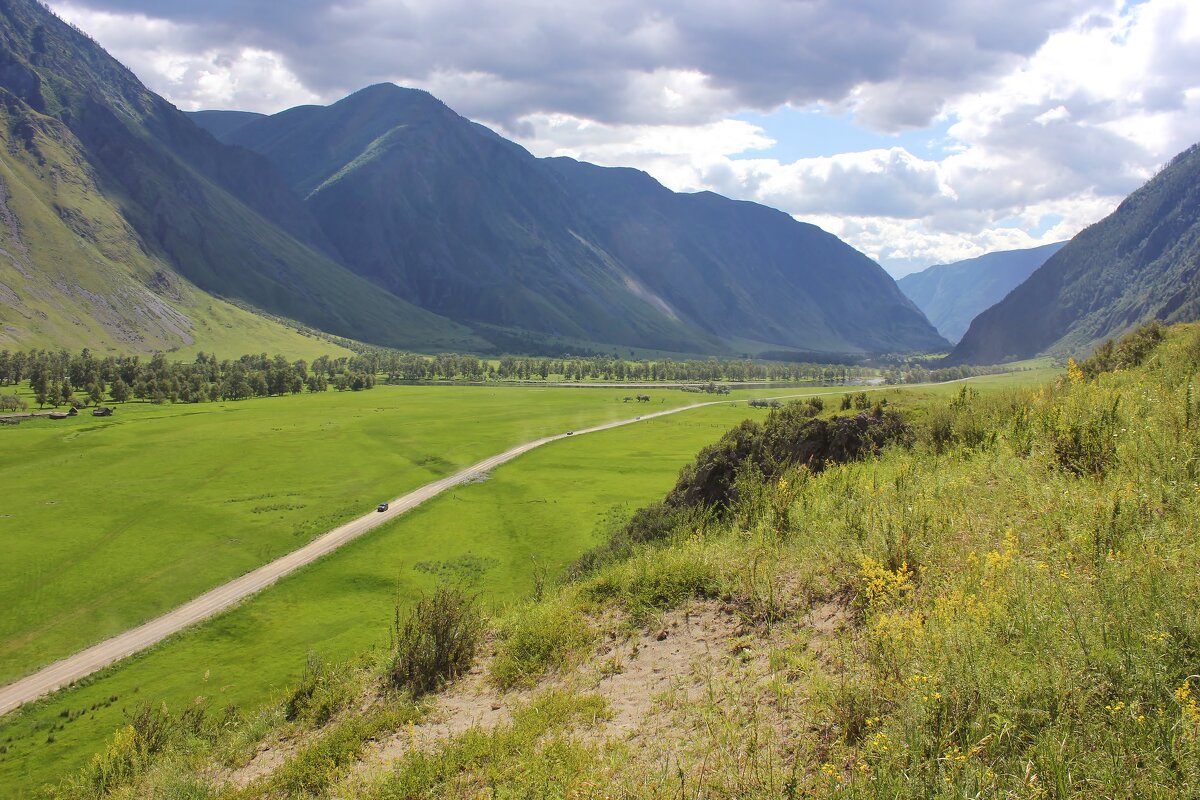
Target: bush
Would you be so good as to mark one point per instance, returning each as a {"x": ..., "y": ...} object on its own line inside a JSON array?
[
  {"x": 537, "y": 638},
  {"x": 130, "y": 751},
  {"x": 323, "y": 691},
  {"x": 1085, "y": 443},
  {"x": 11, "y": 402},
  {"x": 752, "y": 456},
  {"x": 1126, "y": 353},
  {"x": 436, "y": 642}
]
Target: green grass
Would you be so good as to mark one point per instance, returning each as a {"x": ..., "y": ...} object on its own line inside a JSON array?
[
  {"x": 120, "y": 519},
  {"x": 117, "y": 520},
  {"x": 539, "y": 512},
  {"x": 1013, "y": 628}
]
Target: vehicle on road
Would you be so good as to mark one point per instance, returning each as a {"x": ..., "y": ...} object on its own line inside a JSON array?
[
  {"x": 570, "y": 433},
  {"x": 381, "y": 507}
]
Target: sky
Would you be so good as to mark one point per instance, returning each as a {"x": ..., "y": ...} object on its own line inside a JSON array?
[{"x": 920, "y": 131}]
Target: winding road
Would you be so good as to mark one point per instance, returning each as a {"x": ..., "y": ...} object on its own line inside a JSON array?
[{"x": 97, "y": 657}]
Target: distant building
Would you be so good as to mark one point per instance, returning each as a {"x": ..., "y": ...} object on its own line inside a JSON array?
[{"x": 102, "y": 411}]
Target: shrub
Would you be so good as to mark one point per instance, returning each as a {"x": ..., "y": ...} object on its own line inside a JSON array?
[
  {"x": 1126, "y": 353},
  {"x": 537, "y": 638},
  {"x": 436, "y": 642},
  {"x": 323, "y": 691},
  {"x": 129, "y": 752},
  {"x": 1085, "y": 443}
]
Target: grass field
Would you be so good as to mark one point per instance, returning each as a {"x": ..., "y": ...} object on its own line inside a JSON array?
[
  {"x": 117, "y": 520},
  {"x": 550, "y": 505}
]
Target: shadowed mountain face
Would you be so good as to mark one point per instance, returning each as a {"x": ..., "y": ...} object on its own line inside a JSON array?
[
  {"x": 951, "y": 295},
  {"x": 121, "y": 214},
  {"x": 1139, "y": 263},
  {"x": 126, "y": 224},
  {"x": 445, "y": 213}
]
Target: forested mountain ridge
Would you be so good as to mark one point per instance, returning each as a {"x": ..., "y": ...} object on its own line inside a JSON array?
[
  {"x": 951, "y": 295},
  {"x": 446, "y": 213},
  {"x": 1137, "y": 264},
  {"x": 123, "y": 219}
]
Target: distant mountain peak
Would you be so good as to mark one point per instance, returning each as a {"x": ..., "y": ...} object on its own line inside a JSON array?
[
  {"x": 447, "y": 213},
  {"x": 951, "y": 295}
]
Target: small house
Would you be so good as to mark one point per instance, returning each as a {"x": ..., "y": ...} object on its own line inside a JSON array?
[{"x": 102, "y": 411}]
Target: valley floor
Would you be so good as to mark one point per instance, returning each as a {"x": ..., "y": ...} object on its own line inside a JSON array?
[{"x": 324, "y": 603}]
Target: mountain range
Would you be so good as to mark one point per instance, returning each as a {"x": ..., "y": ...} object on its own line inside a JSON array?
[
  {"x": 1137, "y": 264},
  {"x": 446, "y": 213},
  {"x": 387, "y": 218},
  {"x": 951, "y": 295}
]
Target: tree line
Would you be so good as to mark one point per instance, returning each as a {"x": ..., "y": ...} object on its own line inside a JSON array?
[
  {"x": 59, "y": 378},
  {"x": 919, "y": 373},
  {"x": 412, "y": 367}
]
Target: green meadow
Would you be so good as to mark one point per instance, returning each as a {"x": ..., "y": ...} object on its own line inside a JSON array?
[
  {"x": 535, "y": 514},
  {"x": 109, "y": 522}
]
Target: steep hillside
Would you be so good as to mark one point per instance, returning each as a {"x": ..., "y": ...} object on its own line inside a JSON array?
[
  {"x": 1139, "y": 263},
  {"x": 117, "y": 208},
  {"x": 444, "y": 212},
  {"x": 74, "y": 273},
  {"x": 993, "y": 596},
  {"x": 739, "y": 269},
  {"x": 951, "y": 295}
]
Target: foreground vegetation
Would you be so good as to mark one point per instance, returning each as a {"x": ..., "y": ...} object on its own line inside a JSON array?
[
  {"x": 1015, "y": 581},
  {"x": 108, "y": 522},
  {"x": 532, "y": 517}
]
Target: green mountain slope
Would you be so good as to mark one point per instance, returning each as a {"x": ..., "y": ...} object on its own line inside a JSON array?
[
  {"x": 74, "y": 273},
  {"x": 740, "y": 269},
  {"x": 951, "y": 295},
  {"x": 1137, "y": 264},
  {"x": 94, "y": 163},
  {"x": 450, "y": 216},
  {"x": 447, "y": 214}
]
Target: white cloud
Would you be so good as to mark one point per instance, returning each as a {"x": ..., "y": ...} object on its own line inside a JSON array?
[
  {"x": 177, "y": 61},
  {"x": 1059, "y": 107},
  {"x": 1062, "y": 137}
]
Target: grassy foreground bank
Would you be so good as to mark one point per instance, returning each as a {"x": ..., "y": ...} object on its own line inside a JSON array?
[
  {"x": 554, "y": 503},
  {"x": 1014, "y": 587}
]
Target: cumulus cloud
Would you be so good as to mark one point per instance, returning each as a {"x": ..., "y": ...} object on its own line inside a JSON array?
[
  {"x": 623, "y": 61},
  {"x": 1055, "y": 108},
  {"x": 1039, "y": 152}
]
